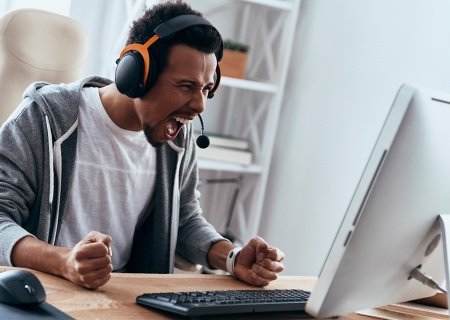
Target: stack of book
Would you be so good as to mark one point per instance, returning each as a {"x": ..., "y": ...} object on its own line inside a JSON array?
[{"x": 226, "y": 148}]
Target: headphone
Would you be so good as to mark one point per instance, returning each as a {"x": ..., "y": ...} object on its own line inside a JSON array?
[{"x": 136, "y": 67}]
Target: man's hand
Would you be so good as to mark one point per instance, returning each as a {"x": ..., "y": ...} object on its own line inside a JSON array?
[
  {"x": 258, "y": 263},
  {"x": 88, "y": 264}
]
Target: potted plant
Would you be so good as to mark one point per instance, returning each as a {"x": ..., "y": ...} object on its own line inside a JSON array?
[{"x": 234, "y": 61}]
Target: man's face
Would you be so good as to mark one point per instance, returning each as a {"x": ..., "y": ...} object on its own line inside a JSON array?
[{"x": 178, "y": 95}]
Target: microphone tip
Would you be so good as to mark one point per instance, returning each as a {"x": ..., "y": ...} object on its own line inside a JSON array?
[{"x": 202, "y": 141}]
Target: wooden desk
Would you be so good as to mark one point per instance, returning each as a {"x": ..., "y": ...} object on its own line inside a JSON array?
[{"x": 116, "y": 299}]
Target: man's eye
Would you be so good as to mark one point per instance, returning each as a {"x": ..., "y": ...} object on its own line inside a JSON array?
[{"x": 186, "y": 87}]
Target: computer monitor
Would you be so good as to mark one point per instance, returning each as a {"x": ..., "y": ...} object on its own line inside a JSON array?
[{"x": 390, "y": 226}]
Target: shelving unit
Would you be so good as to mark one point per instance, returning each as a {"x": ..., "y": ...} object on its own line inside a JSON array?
[{"x": 248, "y": 108}]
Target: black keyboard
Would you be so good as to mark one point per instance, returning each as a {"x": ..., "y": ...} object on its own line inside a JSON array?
[{"x": 226, "y": 301}]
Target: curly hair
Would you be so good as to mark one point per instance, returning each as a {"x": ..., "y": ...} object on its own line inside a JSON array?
[{"x": 201, "y": 37}]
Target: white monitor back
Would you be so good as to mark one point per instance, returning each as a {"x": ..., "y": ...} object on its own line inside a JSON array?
[{"x": 390, "y": 226}]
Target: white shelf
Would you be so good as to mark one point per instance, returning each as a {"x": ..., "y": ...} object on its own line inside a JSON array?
[
  {"x": 215, "y": 165},
  {"x": 248, "y": 85}
]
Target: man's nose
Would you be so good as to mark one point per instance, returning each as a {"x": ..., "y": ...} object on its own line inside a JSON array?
[{"x": 197, "y": 102}]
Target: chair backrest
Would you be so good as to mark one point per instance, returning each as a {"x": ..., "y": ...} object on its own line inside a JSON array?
[{"x": 37, "y": 45}]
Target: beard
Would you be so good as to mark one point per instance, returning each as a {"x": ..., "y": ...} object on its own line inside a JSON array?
[{"x": 148, "y": 131}]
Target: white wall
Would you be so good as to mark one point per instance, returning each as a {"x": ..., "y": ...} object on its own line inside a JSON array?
[
  {"x": 104, "y": 22},
  {"x": 350, "y": 58}
]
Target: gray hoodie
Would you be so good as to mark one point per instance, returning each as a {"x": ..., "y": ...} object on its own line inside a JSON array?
[{"x": 37, "y": 149}]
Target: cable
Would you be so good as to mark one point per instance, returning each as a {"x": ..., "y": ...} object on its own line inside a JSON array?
[{"x": 426, "y": 279}]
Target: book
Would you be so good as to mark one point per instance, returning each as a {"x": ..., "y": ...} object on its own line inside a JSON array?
[
  {"x": 234, "y": 155},
  {"x": 226, "y": 141}
]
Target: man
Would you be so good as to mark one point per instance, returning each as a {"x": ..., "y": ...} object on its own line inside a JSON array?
[{"x": 98, "y": 155}]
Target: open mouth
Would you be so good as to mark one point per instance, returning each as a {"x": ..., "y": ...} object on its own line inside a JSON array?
[{"x": 174, "y": 126}]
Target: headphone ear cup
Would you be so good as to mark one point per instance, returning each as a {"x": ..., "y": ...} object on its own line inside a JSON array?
[
  {"x": 217, "y": 76},
  {"x": 129, "y": 75}
]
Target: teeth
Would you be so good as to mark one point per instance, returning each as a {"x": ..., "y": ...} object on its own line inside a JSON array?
[{"x": 182, "y": 120}]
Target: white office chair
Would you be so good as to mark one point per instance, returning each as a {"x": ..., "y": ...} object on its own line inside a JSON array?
[{"x": 37, "y": 45}]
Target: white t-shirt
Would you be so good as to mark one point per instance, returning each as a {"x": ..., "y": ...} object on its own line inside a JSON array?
[{"x": 113, "y": 180}]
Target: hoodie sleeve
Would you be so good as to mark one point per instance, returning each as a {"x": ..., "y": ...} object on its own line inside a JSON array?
[{"x": 21, "y": 153}]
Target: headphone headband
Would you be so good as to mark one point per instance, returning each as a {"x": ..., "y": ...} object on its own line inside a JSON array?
[{"x": 167, "y": 30}]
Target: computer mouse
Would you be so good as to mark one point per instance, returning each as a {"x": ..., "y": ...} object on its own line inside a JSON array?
[{"x": 20, "y": 287}]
